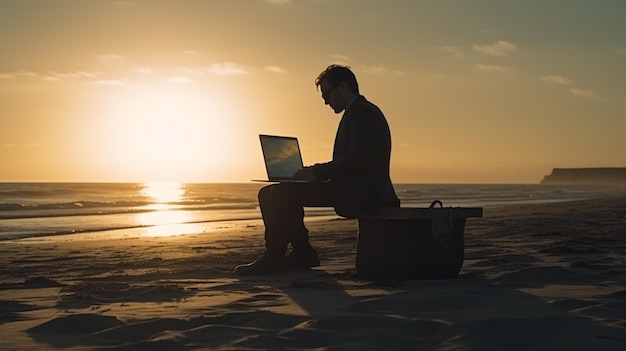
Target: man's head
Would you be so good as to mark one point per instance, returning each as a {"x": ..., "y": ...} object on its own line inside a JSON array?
[{"x": 338, "y": 86}]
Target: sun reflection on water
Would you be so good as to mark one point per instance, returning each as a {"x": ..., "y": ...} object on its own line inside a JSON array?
[
  {"x": 164, "y": 219},
  {"x": 164, "y": 192}
]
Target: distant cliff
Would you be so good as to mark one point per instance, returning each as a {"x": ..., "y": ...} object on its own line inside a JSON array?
[{"x": 586, "y": 176}]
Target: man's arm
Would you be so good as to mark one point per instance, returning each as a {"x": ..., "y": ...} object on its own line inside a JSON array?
[{"x": 305, "y": 174}]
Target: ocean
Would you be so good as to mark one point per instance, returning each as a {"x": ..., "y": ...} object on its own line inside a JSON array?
[{"x": 165, "y": 209}]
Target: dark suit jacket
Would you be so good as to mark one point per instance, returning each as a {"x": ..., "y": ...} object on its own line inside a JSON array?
[{"x": 359, "y": 170}]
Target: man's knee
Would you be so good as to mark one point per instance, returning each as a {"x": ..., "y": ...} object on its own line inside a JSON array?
[
  {"x": 265, "y": 192},
  {"x": 278, "y": 194}
]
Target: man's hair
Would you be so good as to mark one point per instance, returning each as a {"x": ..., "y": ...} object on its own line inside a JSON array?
[{"x": 336, "y": 74}]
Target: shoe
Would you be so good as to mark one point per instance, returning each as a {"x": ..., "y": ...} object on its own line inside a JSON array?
[
  {"x": 303, "y": 258},
  {"x": 266, "y": 264}
]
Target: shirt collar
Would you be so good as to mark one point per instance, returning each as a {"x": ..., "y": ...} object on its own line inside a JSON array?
[{"x": 353, "y": 101}]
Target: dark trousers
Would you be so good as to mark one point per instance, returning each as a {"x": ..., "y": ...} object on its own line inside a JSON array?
[{"x": 282, "y": 207}]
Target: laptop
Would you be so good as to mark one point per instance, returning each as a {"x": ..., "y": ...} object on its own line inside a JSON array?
[{"x": 282, "y": 158}]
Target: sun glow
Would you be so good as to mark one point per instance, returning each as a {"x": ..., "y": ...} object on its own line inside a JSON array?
[{"x": 165, "y": 132}]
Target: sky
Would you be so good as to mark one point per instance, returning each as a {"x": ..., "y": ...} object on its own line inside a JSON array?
[{"x": 481, "y": 91}]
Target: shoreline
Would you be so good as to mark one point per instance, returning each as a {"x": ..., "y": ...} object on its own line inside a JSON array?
[
  {"x": 217, "y": 225},
  {"x": 535, "y": 276}
]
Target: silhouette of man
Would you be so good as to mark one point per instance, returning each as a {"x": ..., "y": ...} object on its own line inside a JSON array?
[{"x": 355, "y": 181}]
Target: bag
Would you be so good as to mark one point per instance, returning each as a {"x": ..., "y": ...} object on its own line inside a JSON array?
[{"x": 412, "y": 243}]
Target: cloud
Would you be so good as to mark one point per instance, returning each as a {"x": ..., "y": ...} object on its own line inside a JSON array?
[
  {"x": 275, "y": 69},
  {"x": 220, "y": 69},
  {"x": 55, "y": 76},
  {"x": 18, "y": 74},
  {"x": 557, "y": 80},
  {"x": 199, "y": 71},
  {"x": 380, "y": 70},
  {"x": 500, "y": 48},
  {"x": 495, "y": 68},
  {"x": 621, "y": 51},
  {"x": 145, "y": 70},
  {"x": 110, "y": 57},
  {"x": 340, "y": 59},
  {"x": 49, "y": 76},
  {"x": 451, "y": 50},
  {"x": 279, "y": 2},
  {"x": 108, "y": 82},
  {"x": 582, "y": 92},
  {"x": 435, "y": 77},
  {"x": 586, "y": 93},
  {"x": 227, "y": 69},
  {"x": 190, "y": 52}
]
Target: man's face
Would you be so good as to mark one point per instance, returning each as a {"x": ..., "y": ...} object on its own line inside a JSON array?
[{"x": 331, "y": 96}]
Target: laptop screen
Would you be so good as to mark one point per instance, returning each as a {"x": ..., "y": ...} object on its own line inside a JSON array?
[{"x": 282, "y": 156}]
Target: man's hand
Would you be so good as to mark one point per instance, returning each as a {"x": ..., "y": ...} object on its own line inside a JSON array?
[{"x": 305, "y": 174}]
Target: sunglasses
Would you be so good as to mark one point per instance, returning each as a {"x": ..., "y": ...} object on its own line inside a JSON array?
[{"x": 326, "y": 94}]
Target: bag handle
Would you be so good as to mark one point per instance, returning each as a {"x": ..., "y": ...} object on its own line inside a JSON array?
[
  {"x": 441, "y": 226},
  {"x": 434, "y": 203}
]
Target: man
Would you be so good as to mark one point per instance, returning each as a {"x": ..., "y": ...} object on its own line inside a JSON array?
[{"x": 355, "y": 181}]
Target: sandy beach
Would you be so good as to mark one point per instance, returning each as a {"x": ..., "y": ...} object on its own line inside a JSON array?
[{"x": 535, "y": 277}]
